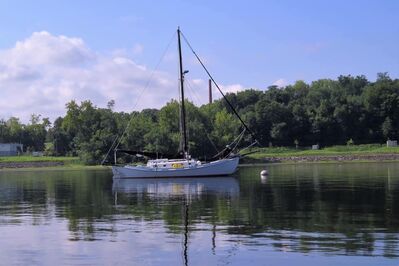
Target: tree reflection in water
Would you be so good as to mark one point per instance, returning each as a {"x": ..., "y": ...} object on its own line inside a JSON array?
[{"x": 348, "y": 209}]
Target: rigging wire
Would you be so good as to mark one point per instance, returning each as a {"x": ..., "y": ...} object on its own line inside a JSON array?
[
  {"x": 238, "y": 140},
  {"x": 206, "y": 132},
  {"x": 139, "y": 97},
  {"x": 118, "y": 139},
  {"x": 228, "y": 148},
  {"x": 217, "y": 86},
  {"x": 106, "y": 156},
  {"x": 249, "y": 146}
]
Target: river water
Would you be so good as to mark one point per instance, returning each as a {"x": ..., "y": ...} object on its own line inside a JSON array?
[{"x": 319, "y": 214}]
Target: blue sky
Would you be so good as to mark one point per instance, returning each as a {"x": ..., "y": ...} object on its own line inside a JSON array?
[{"x": 247, "y": 44}]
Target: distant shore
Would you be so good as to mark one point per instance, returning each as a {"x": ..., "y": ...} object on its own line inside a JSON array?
[
  {"x": 341, "y": 153},
  {"x": 344, "y": 153},
  {"x": 323, "y": 158},
  {"x": 26, "y": 166},
  {"x": 246, "y": 160},
  {"x": 17, "y": 162},
  {"x": 30, "y": 164}
]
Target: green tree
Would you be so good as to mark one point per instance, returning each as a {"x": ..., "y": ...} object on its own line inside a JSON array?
[
  {"x": 226, "y": 128},
  {"x": 387, "y": 129}
]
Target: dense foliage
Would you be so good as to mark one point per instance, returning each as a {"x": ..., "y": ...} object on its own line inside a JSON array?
[
  {"x": 326, "y": 112},
  {"x": 33, "y": 135}
]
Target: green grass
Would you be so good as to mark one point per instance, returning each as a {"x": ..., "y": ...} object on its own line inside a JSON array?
[
  {"x": 27, "y": 158},
  {"x": 365, "y": 149}
]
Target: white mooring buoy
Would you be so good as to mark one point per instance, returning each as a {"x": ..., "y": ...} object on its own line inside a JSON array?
[{"x": 264, "y": 172}]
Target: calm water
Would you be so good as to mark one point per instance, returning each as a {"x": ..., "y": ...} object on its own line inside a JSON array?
[{"x": 322, "y": 214}]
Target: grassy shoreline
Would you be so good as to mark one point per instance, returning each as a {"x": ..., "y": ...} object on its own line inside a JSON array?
[
  {"x": 365, "y": 149},
  {"x": 57, "y": 168},
  {"x": 367, "y": 152},
  {"x": 352, "y": 153},
  {"x": 18, "y": 162},
  {"x": 287, "y": 160},
  {"x": 28, "y": 158}
]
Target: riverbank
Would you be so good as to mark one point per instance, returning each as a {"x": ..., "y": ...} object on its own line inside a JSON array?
[
  {"x": 30, "y": 164},
  {"x": 38, "y": 162},
  {"x": 352, "y": 153},
  {"x": 318, "y": 158},
  {"x": 368, "y": 152}
]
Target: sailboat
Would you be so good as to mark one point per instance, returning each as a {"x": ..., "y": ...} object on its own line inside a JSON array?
[{"x": 226, "y": 164}]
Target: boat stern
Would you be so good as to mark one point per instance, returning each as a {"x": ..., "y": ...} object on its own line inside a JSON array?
[{"x": 116, "y": 171}]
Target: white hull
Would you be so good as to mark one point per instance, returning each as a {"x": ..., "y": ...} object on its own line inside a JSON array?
[{"x": 216, "y": 168}]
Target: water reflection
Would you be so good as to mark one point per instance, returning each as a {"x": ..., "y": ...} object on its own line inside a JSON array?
[
  {"x": 172, "y": 187},
  {"x": 335, "y": 209},
  {"x": 323, "y": 210},
  {"x": 187, "y": 189}
]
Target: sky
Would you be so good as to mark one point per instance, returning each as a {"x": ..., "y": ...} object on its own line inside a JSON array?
[{"x": 52, "y": 52}]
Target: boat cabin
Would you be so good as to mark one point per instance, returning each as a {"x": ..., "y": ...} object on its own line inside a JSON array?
[{"x": 172, "y": 164}]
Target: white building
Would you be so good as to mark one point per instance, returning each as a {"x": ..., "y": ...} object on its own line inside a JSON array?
[{"x": 11, "y": 149}]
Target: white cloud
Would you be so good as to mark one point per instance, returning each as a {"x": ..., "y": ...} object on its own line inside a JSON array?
[
  {"x": 232, "y": 88},
  {"x": 198, "y": 90},
  {"x": 42, "y": 48},
  {"x": 43, "y": 72},
  {"x": 280, "y": 83}
]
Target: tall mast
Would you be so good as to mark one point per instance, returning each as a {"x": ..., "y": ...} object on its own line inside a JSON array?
[{"x": 183, "y": 110}]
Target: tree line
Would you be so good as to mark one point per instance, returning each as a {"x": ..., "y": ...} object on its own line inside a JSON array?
[{"x": 325, "y": 112}]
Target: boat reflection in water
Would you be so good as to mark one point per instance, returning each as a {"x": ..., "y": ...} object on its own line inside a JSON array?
[
  {"x": 190, "y": 189},
  {"x": 171, "y": 187}
]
